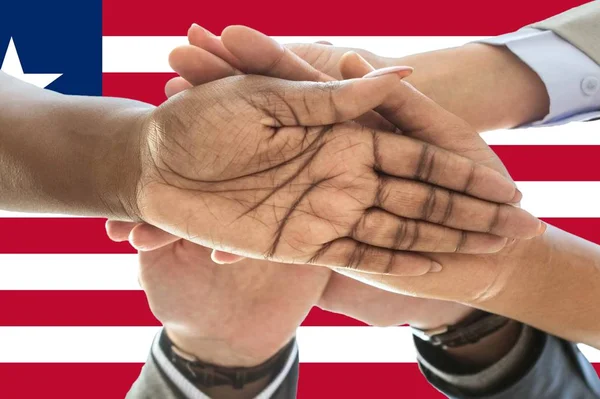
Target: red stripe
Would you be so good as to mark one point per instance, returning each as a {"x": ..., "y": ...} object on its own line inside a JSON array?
[
  {"x": 526, "y": 163},
  {"x": 108, "y": 381},
  {"x": 130, "y": 308},
  {"x": 57, "y": 235},
  {"x": 336, "y": 18},
  {"x": 319, "y": 317},
  {"x": 105, "y": 308},
  {"x": 550, "y": 162},
  {"x": 87, "y": 236},
  {"x": 146, "y": 87}
]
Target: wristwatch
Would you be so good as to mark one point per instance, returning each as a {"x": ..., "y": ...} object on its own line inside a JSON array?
[
  {"x": 477, "y": 326},
  {"x": 205, "y": 375}
]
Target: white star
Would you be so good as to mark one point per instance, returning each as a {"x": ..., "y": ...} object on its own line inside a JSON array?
[{"x": 12, "y": 66}]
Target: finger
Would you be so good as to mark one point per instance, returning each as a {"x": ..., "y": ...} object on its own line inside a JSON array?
[
  {"x": 145, "y": 237},
  {"x": 199, "y": 66},
  {"x": 405, "y": 157},
  {"x": 415, "y": 200},
  {"x": 119, "y": 231},
  {"x": 317, "y": 104},
  {"x": 202, "y": 38},
  {"x": 418, "y": 116},
  {"x": 261, "y": 55},
  {"x": 225, "y": 258},
  {"x": 383, "y": 229},
  {"x": 348, "y": 254},
  {"x": 324, "y": 42},
  {"x": 176, "y": 86}
]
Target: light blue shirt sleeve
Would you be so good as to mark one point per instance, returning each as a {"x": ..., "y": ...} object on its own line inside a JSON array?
[{"x": 572, "y": 79}]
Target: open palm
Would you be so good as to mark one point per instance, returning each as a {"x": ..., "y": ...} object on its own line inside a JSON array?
[{"x": 382, "y": 307}]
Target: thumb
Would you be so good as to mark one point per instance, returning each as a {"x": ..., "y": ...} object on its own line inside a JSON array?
[
  {"x": 289, "y": 103},
  {"x": 419, "y": 117}
]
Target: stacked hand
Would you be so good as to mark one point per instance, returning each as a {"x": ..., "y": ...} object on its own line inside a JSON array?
[
  {"x": 412, "y": 113},
  {"x": 282, "y": 292}
]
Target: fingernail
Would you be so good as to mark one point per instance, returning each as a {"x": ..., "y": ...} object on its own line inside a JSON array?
[
  {"x": 542, "y": 229},
  {"x": 196, "y": 26},
  {"x": 403, "y": 71},
  {"x": 517, "y": 198},
  {"x": 212, "y": 257},
  {"x": 435, "y": 267}
]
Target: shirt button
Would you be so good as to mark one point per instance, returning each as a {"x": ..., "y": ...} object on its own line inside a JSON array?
[{"x": 590, "y": 85}]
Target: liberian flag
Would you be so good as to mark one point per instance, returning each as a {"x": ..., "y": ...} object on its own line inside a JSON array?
[{"x": 73, "y": 320}]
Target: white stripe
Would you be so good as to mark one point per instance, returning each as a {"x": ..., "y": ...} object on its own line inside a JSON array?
[
  {"x": 132, "y": 345},
  {"x": 576, "y": 133},
  {"x": 141, "y": 54},
  {"x": 569, "y": 199},
  {"x": 558, "y": 199},
  {"x": 9, "y": 214},
  {"x": 68, "y": 272},
  {"x": 137, "y": 54}
]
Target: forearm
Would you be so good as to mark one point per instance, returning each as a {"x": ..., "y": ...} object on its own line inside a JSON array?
[
  {"x": 67, "y": 154},
  {"x": 487, "y": 86},
  {"x": 552, "y": 283}
]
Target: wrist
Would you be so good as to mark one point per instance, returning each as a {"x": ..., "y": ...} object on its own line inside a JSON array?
[
  {"x": 228, "y": 382},
  {"x": 474, "y": 81},
  {"x": 70, "y": 155},
  {"x": 104, "y": 144},
  {"x": 488, "y": 350},
  {"x": 217, "y": 351},
  {"x": 118, "y": 179}
]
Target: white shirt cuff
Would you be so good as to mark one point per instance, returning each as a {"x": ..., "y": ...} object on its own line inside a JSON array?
[
  {"x": 191, "y": 392},
  {"x": 572, "y": 79}
]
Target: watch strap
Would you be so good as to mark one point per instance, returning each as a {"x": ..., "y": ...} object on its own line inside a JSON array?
[
  {"x": 206, "y": 375},
  {"x": 477, "y": 326}
]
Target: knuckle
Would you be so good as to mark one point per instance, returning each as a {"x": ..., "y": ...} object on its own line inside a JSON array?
[
  {"x": 406, "y": 234},
  {"x": 425, "y": 163},
  {"x": 470, "y": 180},
  {"x": 413, "y": 235},
  {"x": 330, "y": 86},
  {"x": 401, "y": 234},
  {"x": 448, "y": 210},
  {"x": 429, "y": 205},
  {"x": 382, "y": 195},
  {"x": 462, "y": 238},
  {"x": 370, "y": 223},
  {"x": 499, "y": 218},
  {"x": 355, "y": 260}
]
